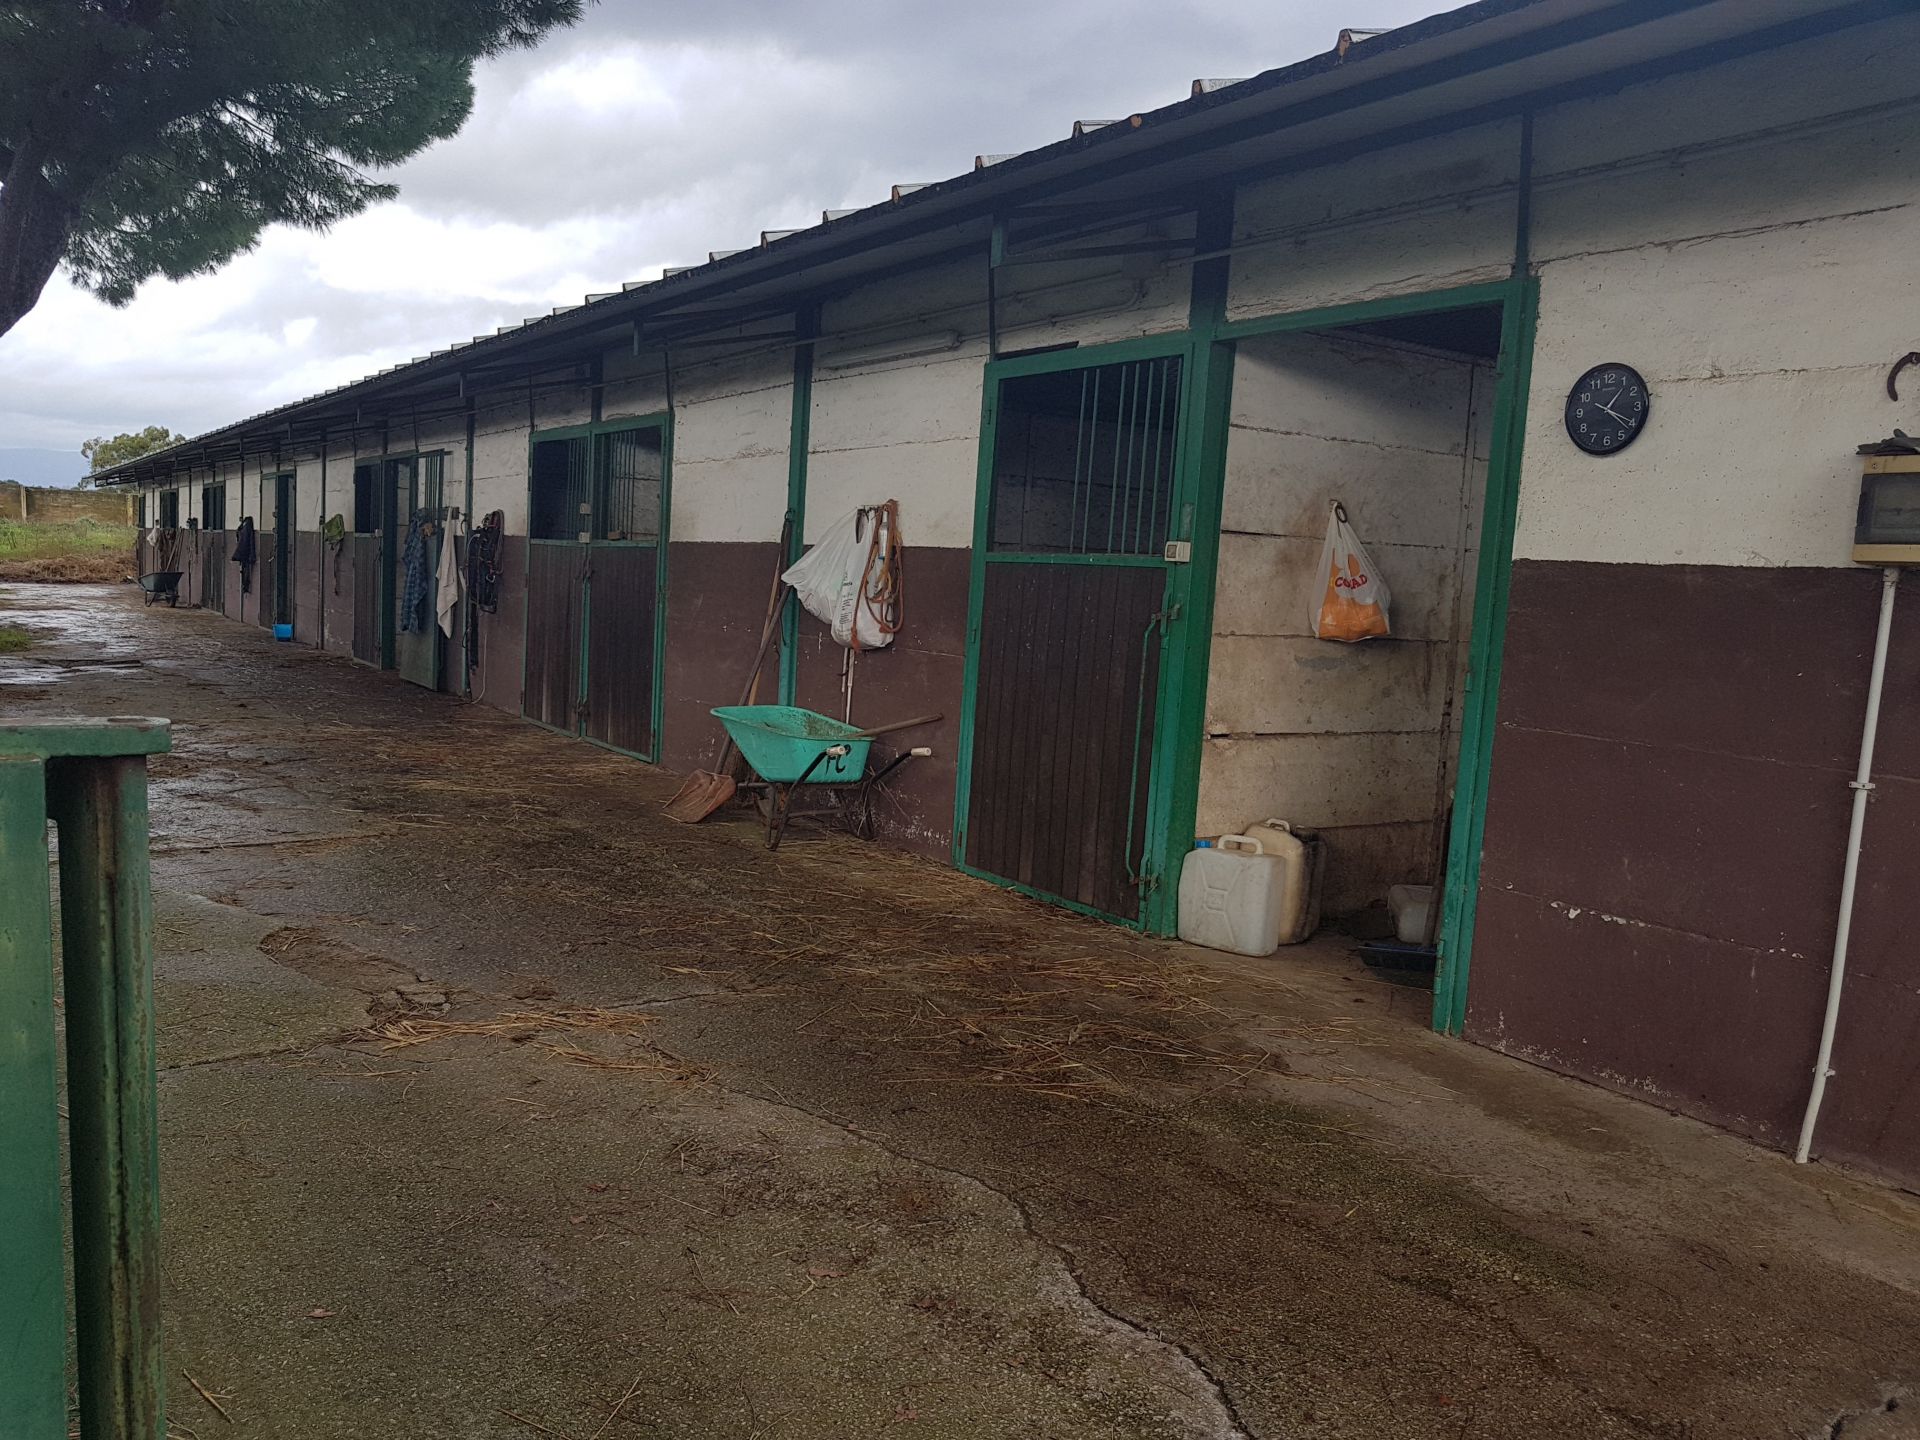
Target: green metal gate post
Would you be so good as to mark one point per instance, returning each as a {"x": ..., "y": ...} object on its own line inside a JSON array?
[{"x": 89, "y": 777}]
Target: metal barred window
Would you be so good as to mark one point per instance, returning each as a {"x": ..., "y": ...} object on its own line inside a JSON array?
[
  {"x": 1084, "y": 459},
  {"x": 630, "y": 466},
  {"x": 213, "y": 506}
]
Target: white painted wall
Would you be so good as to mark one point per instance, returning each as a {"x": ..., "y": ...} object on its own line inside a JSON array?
[
  {"x": 889, "y": 423},
  {"x": 1355, "y": 740},
  {"x": 500, "y": 433},
  {"x": 732, "y": 418},
  {"x": 1763, "y": 290}
]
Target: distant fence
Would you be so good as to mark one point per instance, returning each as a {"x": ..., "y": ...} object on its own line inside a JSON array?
[{"x": 45, "y": 505}]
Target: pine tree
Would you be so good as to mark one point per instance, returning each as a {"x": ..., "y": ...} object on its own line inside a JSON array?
[{"x": 159, "y": 137}]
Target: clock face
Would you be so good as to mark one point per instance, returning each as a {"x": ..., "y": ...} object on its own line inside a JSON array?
[{"x": 1607, "y": 409}]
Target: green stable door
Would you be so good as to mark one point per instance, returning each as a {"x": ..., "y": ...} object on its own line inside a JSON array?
[
  {"x": 596, "y": 584},
  {"x": 414, "y": 493},
  {"x": 1082, "y": 544},
  {"x": 283, "y": 521}
]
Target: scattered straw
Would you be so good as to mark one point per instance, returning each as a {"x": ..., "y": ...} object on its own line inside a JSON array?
[
  {"x": 658, "y": 1064},
  {"x": 208, "y": 1396},
  {"x": 407, "y": 1030}
]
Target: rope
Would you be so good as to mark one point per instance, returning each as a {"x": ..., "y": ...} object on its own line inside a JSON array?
[{"x": 883, "y": 580}]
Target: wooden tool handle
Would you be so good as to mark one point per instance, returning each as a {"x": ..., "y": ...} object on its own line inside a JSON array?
[{"x": 873, "y": 730}]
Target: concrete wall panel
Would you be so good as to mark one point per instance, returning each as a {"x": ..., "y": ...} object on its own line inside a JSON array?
[
  {"x": 1354, "y": 740},
  {"x": 731, "y": 426}
]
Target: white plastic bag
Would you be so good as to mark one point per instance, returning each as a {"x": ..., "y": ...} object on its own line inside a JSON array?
[
  {"x": 837, "y": 578},
  {"x": 1350, "y": 599}
]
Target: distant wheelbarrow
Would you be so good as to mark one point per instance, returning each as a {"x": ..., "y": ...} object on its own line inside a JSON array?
[
  {"x": 794, "y": 753},
  {"x": 162, "y": 585}
]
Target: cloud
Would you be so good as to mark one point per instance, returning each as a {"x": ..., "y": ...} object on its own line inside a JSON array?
[{"x": 646, "y": 136}]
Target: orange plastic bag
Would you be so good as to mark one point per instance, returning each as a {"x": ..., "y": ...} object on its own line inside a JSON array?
[{"x": 1353, "y": 597}]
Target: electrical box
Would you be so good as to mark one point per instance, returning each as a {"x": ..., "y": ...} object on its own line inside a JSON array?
[{"x": 1887, "y": 528}]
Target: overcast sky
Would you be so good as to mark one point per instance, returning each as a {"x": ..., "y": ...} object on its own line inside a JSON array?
[{"x": 646, "y": 136}]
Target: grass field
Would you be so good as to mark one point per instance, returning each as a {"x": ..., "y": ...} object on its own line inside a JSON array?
[{"x": 76, "y": 550}]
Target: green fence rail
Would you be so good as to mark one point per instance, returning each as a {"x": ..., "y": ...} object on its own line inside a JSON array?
[{"x": 89, "y": 777}]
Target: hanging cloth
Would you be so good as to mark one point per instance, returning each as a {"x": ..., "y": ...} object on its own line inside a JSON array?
[
  {"x": 334, "y": 536},
  {"x": 244, "y": 553},
  {"x": 416, "y": 581},
  {"x": 446, "y": 595}
]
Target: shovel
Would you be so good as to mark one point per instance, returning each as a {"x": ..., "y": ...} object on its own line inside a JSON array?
[{"x": 705, "y": 791}]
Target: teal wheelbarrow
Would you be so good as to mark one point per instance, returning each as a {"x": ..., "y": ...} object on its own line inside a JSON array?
[{"x": 810, "y": 766}]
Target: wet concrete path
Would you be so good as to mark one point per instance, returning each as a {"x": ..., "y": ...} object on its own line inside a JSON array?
[{"x": 495, "y": 1105}]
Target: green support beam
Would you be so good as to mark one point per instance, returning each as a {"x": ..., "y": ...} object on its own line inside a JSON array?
[
  {"x": 89, "y": 777},
  {"x": 33, "y": 1284},
  {"x": 806, "y": 325}
]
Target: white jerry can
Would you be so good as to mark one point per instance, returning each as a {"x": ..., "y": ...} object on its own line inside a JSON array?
[
  {"x": 1232, "y": 897},
  {"x": 1303, "y": 856}
]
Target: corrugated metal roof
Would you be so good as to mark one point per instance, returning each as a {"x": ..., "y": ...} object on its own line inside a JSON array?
[{"x": 1389, "y": 62}]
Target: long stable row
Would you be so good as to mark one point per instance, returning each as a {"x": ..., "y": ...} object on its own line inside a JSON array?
[{"x": 1114, "y": 385}]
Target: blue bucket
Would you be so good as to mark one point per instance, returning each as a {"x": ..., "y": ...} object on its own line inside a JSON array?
[{"x": 283, "y": 632}]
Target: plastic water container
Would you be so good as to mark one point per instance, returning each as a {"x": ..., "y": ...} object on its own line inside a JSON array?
[
  {"x": 1410, "y": 905},
  {"x": 1303, "y": 858},
  {"x": 283, "y": 632},
  {"x": 1232, "y": 897}
]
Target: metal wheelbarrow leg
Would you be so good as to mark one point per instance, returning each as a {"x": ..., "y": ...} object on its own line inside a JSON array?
[{"x": 781, "y": 796}]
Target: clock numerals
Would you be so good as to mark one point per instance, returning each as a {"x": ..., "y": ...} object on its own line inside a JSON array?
[{"x": 1606, "y": 409}]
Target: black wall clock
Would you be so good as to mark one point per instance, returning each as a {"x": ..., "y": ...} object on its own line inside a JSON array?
[{"x": 1607, "y": 409}]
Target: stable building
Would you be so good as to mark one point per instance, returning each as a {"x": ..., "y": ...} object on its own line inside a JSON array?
[{"x": 1114, "y": 384}]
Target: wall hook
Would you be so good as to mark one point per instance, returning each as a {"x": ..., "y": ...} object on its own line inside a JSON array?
[{"x": 1912, "y": 357}]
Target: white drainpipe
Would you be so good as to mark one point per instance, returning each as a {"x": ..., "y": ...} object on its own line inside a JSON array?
[{"x": 1862, "y": 789}]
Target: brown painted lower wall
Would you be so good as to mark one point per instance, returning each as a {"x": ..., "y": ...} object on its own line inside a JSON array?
[
  {"x": 716, "y": 610},
  {"x": 922, "y": 673},
  {"x": 337, "y": 599},
  {"x": 1665, "y": 835},
  {"x": 307, "y": 551},
  {"x": 496, "y": 681}
]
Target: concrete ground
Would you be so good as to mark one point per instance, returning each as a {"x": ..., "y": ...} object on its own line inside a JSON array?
[{"x": 495, "y": 1105}]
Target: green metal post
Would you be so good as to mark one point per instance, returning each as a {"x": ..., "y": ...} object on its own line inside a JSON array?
[
  {"x": 467, "y": 620},
  {"x": 1480, "y": 712},
  {"x": 1187, "y": 657},
  {"x": 806, "y": 325},
  {"x": 93, "y": 784},
  {"x": 33, "y": 1285}
]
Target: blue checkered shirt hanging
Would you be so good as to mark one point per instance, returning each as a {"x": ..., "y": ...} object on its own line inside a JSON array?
[{"x": 418, "y": 581}]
